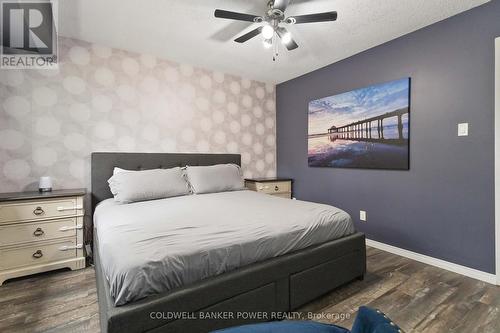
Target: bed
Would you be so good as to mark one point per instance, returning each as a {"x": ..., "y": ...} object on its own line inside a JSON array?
[{"x": 245, "y": 267}]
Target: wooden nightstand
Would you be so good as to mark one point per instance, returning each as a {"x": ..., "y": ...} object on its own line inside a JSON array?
[
  {"x": 40, "y": 232},
  {"x": 280, "y": 187}
]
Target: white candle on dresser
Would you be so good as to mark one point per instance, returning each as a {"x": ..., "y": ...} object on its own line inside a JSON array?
[{"x": 45, "y": 184}]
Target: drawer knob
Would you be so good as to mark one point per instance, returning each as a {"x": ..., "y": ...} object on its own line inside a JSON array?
[
  {"x": 38, "y": 232},
  {"x": 38, "y": 254},
  {"x": 276, "y": 188},
  {"x": 38, "y": 211}
]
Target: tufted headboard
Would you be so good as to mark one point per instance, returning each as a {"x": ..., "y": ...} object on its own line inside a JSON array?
[{"x": 102, "y": 165}]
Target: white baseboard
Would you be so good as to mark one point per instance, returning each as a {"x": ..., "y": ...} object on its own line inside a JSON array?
[{"x": 470, "y": 272}]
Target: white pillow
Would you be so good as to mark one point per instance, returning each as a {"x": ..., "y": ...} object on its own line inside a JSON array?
[
  {"x": 118, "y": 170},
  {"x": 215, "y": 178},
  {"x": 144, "y": 185}
]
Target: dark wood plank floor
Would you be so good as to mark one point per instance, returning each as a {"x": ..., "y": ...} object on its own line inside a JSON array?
[
  {"x": 419, "y": 297},
  {"x": 59, "y": 301}
]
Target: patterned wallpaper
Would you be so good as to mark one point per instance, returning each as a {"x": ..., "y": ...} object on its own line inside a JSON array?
[{"x": 103, "y": 99}]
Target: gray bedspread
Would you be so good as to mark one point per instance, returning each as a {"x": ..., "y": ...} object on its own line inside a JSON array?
[{"x": 155, "y": 246}]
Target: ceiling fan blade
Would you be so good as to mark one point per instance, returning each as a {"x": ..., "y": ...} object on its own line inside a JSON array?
[
  {"x": 291, "y": 45},
  {"x": 225, "y": 14},
  {"x": 312, "y": 18},
  {"x": 248, "y": 35},
  {"x": 281, "y": 4}
]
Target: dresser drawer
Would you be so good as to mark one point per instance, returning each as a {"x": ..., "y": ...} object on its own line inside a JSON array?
[
  {"x": 38, "y": 210},
  {"x": 273, "y": 187},
  {"x": 287, "y": 195},
  {"x": 36, "y": 231},
  {"x": 12, "y": 257}
]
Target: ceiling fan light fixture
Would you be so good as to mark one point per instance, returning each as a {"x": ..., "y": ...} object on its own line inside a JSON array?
[
  {"x": 271, "y": 24},
  {"x": 267, "y": 32},
  {"x": 286, "y": 38}
]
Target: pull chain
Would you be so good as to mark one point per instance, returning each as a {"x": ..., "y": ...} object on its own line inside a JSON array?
[{"x": 275, "y": 48}]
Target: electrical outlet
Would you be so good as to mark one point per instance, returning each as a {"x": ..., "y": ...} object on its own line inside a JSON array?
[
  {"x": 362, "y": 215},
  {"x": 463, "y": 129}
]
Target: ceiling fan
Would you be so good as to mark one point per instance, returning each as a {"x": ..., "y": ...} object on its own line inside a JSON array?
[{"x": 273, "y": 22}]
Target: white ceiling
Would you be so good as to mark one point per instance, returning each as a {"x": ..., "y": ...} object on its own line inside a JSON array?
[{"x": 186, "y": 30}]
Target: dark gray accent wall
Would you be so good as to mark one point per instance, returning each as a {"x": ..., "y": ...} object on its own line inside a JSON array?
[{"x": 444, "y": 206}]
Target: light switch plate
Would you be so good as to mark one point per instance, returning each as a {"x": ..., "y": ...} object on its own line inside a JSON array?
[
  {"x": 362, "y": 215},
  {"x": 463, "y": 129}
]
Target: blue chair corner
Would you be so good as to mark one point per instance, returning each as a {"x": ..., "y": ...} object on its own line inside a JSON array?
[{"x": 371, "y": 320}]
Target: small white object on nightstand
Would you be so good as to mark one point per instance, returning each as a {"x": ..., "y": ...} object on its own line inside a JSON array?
[{"x": 45, "y": 184}]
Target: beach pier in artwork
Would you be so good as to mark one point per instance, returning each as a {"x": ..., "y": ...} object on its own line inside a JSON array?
[
  {"x": 362, "y": 130},
  {"x": 365, "y": 128}
]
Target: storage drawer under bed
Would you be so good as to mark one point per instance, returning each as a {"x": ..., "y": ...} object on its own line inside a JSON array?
[{"x": 313, "y": 282}]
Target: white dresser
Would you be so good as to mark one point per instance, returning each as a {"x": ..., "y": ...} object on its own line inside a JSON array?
[
  {"x": 279, "y": 187},
  {"x": 40, "y": 232}
]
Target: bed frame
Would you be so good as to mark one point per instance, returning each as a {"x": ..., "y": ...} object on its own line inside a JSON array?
[{"x": 259, "y": 292}]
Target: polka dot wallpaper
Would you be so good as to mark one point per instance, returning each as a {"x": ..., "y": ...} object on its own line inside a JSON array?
[{"x": 103, "y": 99}]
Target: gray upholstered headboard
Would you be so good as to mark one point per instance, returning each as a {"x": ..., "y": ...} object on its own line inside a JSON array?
[{"x": 102, "y": 165}]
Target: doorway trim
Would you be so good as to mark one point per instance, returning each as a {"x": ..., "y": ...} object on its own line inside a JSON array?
[{"x": 497, "y": 159}]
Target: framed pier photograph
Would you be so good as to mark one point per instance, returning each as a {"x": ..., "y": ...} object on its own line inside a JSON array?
[{"x": 365, "y": 128}]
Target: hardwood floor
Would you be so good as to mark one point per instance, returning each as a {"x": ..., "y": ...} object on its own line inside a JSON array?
[
  {"x": 419, "y": 297},
  {"x": 416, "y": 296},
  {"x": 60, "y": 301}
]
